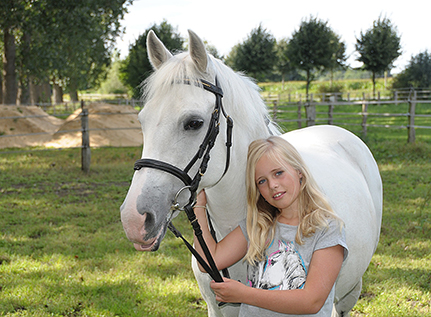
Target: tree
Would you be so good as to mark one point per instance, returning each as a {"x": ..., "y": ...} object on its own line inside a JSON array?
[
  {"x": 12, "y": 13},
  {"x": 339, "y": 57},
  {"x": 378, "y": 48},
  {"x": 136, "y": 66},
  {"x": 417, "y": 73},
  {"x": 80, "y": 54},
  {"x": 313, "y": 48},
  {"x": 256, "y": 55},
  {"x": 283, "y": 65},
  {"x": 66, "y": 42}
]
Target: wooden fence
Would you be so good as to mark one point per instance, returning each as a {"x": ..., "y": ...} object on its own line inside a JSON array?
[
  {"x": 308, "y": 112},
  {"x": 296, "y": 111}
]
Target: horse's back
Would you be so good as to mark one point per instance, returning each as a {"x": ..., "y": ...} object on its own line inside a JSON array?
[
  {"x": 331, "y": 146},
  {"x": 347, "y": 173}
]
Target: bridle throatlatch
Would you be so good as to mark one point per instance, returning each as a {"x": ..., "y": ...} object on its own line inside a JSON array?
[{"x": 192, "y": 184}]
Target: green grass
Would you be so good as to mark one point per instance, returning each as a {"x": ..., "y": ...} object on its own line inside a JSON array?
[
  {"x": 63, "y": 251},
  {"x": 355, "y": 86},
  {"x": 398, "y": 280},
  {"x": 347, "y": 116}
]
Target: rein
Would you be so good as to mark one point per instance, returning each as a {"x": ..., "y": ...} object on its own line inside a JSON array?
[{"x": 192, "y": 184}]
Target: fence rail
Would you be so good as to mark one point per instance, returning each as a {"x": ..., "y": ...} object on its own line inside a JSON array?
[{"x": 289, "y": 111}]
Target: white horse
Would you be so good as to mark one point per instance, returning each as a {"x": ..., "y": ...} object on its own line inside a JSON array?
[{"x": 174, "y": 121}]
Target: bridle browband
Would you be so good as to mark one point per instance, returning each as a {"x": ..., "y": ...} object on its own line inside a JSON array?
[{"x": 192, "y": 184}]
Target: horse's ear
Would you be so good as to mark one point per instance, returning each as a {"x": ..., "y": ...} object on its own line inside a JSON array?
[
  {"x": 198, "y": 52},
  {"x": 157, "y": 52}
]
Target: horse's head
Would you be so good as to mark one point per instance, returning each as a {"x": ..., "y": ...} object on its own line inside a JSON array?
[{"x": 175, "y": 121}]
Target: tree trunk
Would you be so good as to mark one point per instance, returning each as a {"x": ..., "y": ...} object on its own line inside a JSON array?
[
  {"x": 23, "y": 97},
  {"x": 34, "y": 91},
  {"x": 45, "y": 95},
  {"x": 73, "y": 92},
  {"x": 9, "y": 74},
  {"x": 58, "y": 94},
  {"x": 308, "y": 84},
  {"x": 73, "y": 96},
  {"x": 1, "y": 89},
  {"x": 374, "y": 85}
]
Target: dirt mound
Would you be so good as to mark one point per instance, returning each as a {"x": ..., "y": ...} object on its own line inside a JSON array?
[
  {"x": 109, "y": 125},
  {"x": 18, "y": 120}
]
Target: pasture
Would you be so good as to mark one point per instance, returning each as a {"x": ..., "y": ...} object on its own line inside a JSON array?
[{"x": 63, "y": 251}]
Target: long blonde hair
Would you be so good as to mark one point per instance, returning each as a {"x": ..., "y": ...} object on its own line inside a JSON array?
[{"x": 314, "y": 209}]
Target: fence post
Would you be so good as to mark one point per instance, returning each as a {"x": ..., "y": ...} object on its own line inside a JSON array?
[
  {"x": 331, "y": 110},
  {"x": 364, "y": 115},
  {"x": 411, "y": 125},
  {"x": 85, "y": 150},
  {"x": 310, "y": 110},
  {"x": 274, "y": 110}
]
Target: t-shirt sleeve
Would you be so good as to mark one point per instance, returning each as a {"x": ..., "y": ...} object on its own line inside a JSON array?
[
  {"x": 243, "y": 225},
  {"x": 331, "y": 236}
]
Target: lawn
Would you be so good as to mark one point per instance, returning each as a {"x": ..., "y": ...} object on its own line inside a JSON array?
[{"x": 63, "y": 251}]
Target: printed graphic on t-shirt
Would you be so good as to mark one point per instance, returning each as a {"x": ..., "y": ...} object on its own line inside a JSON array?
[{"x": 282, "y": 270}]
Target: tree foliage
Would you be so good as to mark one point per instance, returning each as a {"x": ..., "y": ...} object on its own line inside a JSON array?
[
  {"x": 417, "y": 73},
  {"x": 256, "y": 55},
  {"x": 314, "y": 47},
  {"x": 379, "y": 47},
  {"x": 66, "y": 42},
  {"x": 137, "y": 67}
]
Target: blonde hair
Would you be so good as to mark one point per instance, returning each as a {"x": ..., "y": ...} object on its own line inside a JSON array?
[{"x": 314, "y": 209}]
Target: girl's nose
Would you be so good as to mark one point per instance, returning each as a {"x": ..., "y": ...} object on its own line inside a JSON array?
[{"x": 273, "y": 184}]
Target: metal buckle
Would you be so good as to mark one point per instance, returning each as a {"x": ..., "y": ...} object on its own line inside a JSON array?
[{"x": 175, "y": 208}]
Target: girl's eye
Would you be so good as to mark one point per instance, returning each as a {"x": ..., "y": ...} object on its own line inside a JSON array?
[
  {"x": 279, "y": 173},
  {"x": 260, "y": 182}
]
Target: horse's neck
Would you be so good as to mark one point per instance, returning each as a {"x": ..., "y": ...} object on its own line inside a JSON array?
[
  {"x": 227, "y": 203},
  {"x": 227, "y": 200}
]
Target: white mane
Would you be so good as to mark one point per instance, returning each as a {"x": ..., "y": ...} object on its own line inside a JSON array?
[{"x": 241, "y": 100}]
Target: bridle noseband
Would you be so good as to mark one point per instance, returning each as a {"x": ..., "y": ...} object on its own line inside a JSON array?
[{"x": 192, "y": 184}]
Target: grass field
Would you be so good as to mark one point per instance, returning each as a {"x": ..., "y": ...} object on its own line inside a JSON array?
[{"x": 63, "y": 251}]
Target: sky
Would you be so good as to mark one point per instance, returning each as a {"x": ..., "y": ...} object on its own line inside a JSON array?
[{"x": 225, "y": 23}]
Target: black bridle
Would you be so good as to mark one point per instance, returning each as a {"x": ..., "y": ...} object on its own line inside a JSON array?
[{"x": 192, "y": 184}]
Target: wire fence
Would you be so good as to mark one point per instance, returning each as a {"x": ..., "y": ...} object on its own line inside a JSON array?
[{"x": 409, "y": 110}]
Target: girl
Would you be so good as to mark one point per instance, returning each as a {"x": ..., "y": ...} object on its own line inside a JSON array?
[{"x": 292, "y": 241}]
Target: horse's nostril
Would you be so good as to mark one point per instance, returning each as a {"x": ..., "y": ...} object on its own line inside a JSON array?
[{"x": 149, "y": 220}]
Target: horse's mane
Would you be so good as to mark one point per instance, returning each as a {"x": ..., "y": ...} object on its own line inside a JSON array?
[{"x": 241, "y": 99}]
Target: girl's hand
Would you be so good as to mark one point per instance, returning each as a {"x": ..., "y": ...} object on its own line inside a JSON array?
[{"x": 230, "y": 291}]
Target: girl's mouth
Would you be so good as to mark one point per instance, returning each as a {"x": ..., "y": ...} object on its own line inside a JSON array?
[{"x": 278, "y": 195}]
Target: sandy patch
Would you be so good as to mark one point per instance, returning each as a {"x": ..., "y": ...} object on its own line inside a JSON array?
[{"x": 110, "y": 125}]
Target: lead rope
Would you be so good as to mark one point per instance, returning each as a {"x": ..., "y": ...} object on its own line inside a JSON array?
[{"x": 211, "y": 269}]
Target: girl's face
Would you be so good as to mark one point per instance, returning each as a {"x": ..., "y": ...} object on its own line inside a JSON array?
[{"x": 278, "y": 184}]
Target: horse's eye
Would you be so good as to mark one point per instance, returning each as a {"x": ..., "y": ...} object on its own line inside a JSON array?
[{"x": 194, "y": 124}]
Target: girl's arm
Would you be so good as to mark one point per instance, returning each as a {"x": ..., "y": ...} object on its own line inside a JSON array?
[
  {"x": 228, "y": 251},
  {"x": 323, "y": 271}
]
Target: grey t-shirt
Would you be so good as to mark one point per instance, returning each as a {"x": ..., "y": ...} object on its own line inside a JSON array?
[{"x": 286, "y": 264}]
